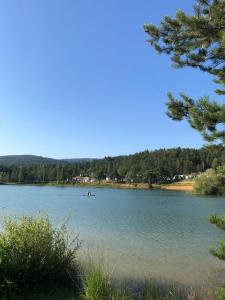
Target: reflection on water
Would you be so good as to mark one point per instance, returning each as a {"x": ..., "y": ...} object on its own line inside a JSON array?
[{"x": 141, "y": 232}]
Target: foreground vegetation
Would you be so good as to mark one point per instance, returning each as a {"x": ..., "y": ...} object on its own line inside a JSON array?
[
  {"x": 39, "y": 261},
  {"x": 98, "y": 286},
  {"x": 34, "y": 253}
]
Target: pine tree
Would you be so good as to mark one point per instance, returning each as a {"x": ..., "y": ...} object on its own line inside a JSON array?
[
  {"x": 43, "y": 173},
  {"x": 197, "y": 41},
  {"x": 62, "y": 174},
  {"x": 58, "y": 174},
  {"x": 20, "y": 175}
]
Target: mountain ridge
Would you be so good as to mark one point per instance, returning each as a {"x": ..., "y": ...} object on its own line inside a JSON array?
[{"x": 29, "y": 159}]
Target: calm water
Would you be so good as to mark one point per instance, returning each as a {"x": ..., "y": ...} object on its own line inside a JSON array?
[{"x": 139, "y": 232}]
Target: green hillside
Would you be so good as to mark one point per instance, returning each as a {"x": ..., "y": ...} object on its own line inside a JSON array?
[
  {"x": 32, "y": 160},
  {"x": 26, "y": 160}
]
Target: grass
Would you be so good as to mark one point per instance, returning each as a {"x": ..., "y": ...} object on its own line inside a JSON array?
[{"x": 98, "y": 286}]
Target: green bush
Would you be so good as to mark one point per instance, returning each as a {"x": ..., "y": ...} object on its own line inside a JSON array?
[
  {"x": 34, "y": 254},
  {"x": 209, "y": 183}
]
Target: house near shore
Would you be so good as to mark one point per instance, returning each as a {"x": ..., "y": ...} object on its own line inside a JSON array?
[
  {"x": 86, "y": 179},
  {"x": 184, "y": 176},
  {"x": 81, "y": 179}
]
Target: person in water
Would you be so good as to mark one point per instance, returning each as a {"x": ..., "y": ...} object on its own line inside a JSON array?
[{"x": 89, "y": 193}]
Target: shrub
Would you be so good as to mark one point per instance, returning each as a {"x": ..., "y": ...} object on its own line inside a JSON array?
[
  {"x": 33, "y": 253},
  {"x": 209, "y": 183}
]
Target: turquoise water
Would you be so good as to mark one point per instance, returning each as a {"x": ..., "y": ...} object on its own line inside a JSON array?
[{"x": 140, "y": 233}]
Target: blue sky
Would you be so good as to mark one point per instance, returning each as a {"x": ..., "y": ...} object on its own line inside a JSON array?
[{"x": 77, "y": 79}]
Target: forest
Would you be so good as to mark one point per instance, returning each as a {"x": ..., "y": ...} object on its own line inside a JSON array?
[{"x": 147, "y": 167}]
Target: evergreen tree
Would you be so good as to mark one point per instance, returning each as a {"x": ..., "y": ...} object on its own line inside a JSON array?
[
  {"x": 43, "y": 173},
  {"x": 20, "y": 179},
  {"x": 197, "y": 41},
  {"x": 62, "y": 174},
  {"x": 58, "y": 174}
]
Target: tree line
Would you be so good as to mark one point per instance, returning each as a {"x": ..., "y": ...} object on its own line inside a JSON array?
[{"x": 147, "y": 166}]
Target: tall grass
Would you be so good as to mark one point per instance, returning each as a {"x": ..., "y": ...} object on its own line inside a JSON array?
[
  {"x": 98, "y": 286},
  {"x": 156, "y": 290}
]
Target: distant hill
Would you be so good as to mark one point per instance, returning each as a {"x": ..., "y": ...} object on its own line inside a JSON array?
[
  {"x": 77, "y": 160},
  {"x": 28, "y": 160}
]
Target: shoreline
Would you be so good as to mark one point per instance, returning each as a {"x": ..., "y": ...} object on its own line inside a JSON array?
[
  {"x": 139, "y": 186},
  {"x": 186, "y": 187}
]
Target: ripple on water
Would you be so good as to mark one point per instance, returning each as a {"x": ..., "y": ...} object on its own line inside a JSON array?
[{"x": 142, "y": 233}]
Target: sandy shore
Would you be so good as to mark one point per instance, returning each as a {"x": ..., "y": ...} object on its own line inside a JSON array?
[{"x": 177, "y": 187}]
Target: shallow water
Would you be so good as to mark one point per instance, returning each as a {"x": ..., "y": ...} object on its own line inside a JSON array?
[{"x": 141, "y": 233}]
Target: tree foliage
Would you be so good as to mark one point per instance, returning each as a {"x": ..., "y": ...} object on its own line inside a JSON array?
[
  {"x": 219, "y": 251},
  {"x": 197, "y": 41},
  {"x": 148, "y": 166}
]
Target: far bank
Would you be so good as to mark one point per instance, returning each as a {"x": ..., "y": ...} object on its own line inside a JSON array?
[
  {"x": 180, "y": 186},
  {"x": 141, "y": 186}
]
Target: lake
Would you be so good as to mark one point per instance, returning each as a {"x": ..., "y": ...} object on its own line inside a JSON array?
[{"x": 140, "y": 233}]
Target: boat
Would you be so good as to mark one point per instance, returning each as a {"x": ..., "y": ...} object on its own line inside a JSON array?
[{"x": 89, "y": 194}]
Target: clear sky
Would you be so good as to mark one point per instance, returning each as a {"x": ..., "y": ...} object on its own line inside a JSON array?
[{"x": 77, "y": 79}]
